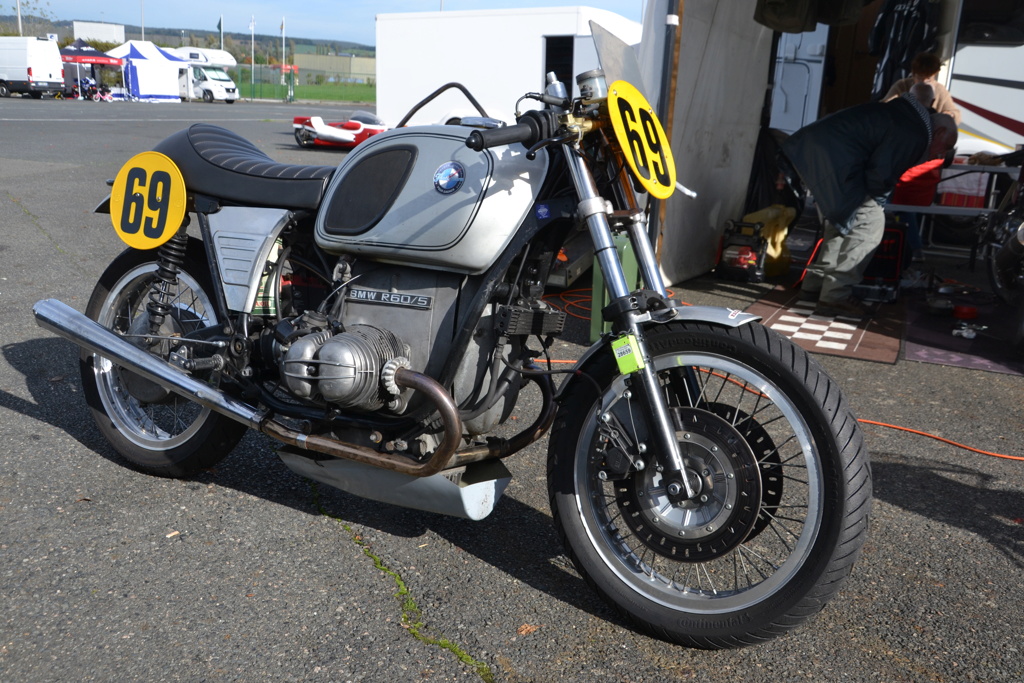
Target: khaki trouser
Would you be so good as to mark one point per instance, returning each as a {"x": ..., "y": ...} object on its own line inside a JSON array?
[{"x": 842, "y": 259}]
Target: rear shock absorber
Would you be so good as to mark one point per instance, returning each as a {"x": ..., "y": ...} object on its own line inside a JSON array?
[{"x": 170, "y": 257}]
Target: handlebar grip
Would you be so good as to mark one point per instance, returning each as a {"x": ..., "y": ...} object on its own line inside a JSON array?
[{"x": 526, "y": 132}]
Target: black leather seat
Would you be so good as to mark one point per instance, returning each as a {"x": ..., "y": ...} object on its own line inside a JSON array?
[{"x": 217, "y": 162}]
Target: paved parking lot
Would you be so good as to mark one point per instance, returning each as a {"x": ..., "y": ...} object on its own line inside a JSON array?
[{"x": 250, "y": 573}]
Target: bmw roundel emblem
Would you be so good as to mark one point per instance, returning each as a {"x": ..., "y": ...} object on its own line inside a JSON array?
[{"x": 448, "y": 178}]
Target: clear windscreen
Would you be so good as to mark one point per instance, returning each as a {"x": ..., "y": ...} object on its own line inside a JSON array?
[{"x": 618, "y": 59}]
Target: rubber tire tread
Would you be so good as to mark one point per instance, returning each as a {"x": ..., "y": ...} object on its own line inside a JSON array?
[
  {"x": 855, "y": 465},
  {"x": 215, "y": 439}
]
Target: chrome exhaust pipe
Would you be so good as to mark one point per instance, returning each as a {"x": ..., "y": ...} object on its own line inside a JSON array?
[{"x": 65, "y": 321}]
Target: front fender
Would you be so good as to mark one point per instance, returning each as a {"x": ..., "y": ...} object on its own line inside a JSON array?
[{"x": 715, "y": 315}]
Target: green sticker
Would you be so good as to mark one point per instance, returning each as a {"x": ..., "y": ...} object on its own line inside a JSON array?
[{"x": 626, "y": 353}]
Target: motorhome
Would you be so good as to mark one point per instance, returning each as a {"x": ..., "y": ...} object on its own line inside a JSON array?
[
  {"x": 30, "y": 65},
  {"x": 987, "y": 76},
  {"x": 205, "y": 77}
]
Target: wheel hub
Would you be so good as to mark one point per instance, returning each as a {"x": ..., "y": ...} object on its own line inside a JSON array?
[{"x": 727, "y": 500}]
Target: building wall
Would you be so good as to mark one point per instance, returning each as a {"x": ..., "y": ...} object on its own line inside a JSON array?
[{"x": 345, "y": 66}]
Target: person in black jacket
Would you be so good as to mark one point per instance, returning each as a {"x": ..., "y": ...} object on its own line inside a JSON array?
[{"x": 851, "y": 161}]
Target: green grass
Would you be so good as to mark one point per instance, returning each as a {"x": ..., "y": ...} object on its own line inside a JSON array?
[{"x": 329, "y": 92}]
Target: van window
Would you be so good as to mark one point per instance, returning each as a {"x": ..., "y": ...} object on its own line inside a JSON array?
[
  {"x": 213, "y": 74},
  {"x": 992, "y": 22}
]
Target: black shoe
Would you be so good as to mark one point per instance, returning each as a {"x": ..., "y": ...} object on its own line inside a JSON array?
[{"x": 850, "y": 308}]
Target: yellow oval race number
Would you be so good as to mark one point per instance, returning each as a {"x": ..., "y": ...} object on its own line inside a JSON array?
[
  {"x": 147, "y": 203},
  {"x": 642, "y": 139}
]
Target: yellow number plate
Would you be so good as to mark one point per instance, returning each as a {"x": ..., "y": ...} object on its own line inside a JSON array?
[
  {"x": 642, "y": 139},
  {"x": 147, "y": 203}
]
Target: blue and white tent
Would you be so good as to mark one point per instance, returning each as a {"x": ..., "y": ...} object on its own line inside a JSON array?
[{"x": 150, "y": 73}]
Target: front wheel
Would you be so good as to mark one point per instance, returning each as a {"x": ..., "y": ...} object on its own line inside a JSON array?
[
  {"x": 304, "y": 138},
  {"x": 207, "y": 96},
  {"x": 158, "y": 432},
  {"x": 782, "y": 477}
]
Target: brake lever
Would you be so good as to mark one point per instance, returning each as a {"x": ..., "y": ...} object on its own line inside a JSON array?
[{"x": 568, "y": 136}]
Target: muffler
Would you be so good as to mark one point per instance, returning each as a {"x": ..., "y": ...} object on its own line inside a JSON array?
[{"x": 65, "y": 321}]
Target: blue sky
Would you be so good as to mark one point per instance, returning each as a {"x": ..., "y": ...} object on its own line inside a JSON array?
[{"x": 351, "y": 20}]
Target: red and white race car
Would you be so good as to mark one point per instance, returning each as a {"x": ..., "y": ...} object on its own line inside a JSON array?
[{"x": 312, "y": 131}]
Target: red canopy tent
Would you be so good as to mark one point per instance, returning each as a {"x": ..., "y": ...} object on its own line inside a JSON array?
[{"x": 81, "y": 52}]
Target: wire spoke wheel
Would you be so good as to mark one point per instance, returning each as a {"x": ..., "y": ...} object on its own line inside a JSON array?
[
  {"x": 170, "y": 420},
  {"x": 157, "y": 430},
  {"x": 735, "y": 562}
]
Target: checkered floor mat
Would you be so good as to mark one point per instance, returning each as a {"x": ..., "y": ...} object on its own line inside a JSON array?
[{"x": 876, "y": 338}]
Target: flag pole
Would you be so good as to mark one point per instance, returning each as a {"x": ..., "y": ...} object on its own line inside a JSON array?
[{"x": 252, "y": 58}]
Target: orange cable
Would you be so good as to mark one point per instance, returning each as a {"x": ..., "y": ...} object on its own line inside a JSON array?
[{"x": 939, "y": 438}]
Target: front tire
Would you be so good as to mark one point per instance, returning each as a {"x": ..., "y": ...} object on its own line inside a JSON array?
[
  {"x": 207, "y": 96},
  {"x": 784, "y": 481},
  {"x": 168, "y": 436},
  {"x": 304, "y": 138}
]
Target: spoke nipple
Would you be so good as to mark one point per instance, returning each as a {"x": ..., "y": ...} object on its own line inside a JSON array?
[
  {"x": 714, "y": 449},
  {"x": 605, "y": 417},
  {"x": 728, "y": 506},
  {"x": 710, "y": 528},
  {"x": 641, "y": 448},
  {"x": 706, "y": 472},
  {"x": 730, "y": 476},
  {"x": 703, "y": 499},
  {"x": 627, "y": 394},
  {"x": 682, "y": 532},
  {"x": 686, "y": 435},
  {"x": 640, "y": 465}
]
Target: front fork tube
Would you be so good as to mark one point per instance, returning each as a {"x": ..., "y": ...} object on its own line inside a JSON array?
[{"x": 595, "y": 209}]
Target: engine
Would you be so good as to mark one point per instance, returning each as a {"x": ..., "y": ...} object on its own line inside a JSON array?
[{"x": 350, "y": 369}]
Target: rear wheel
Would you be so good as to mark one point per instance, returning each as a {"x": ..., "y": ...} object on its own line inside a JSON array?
[
  {"x": 5, "y": 90},
  {"x": 783, "y": 484},
  {"x": 157, "y": 431}
]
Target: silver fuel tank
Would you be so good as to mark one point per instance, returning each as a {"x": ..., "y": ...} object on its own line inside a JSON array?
[{"x": 420, "y": 196}]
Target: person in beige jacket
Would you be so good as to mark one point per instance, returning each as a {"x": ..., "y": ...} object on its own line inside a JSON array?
[{"x": 924, "y": 69}]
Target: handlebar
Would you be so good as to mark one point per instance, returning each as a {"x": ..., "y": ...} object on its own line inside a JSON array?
[
  {"x": 527, "y": 133},
  {"x": 533, "y": 127}
]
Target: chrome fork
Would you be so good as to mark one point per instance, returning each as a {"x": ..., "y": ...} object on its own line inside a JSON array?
[{"x": 595, "y": 209}]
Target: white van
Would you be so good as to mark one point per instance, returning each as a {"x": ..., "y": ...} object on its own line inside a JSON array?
[
  {"x": 205, "y": 78},
  {"x": 30, "y": 65}
]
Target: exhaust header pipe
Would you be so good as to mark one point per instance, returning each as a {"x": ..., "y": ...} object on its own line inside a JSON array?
[{"x": 65, "y": 321}]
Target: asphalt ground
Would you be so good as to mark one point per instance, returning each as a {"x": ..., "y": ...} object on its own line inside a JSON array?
[{"x": 250, "y": 573}]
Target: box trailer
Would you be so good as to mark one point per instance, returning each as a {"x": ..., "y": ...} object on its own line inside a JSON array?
[
  {"x": 30, "y": 65},
  {"x": 496, "y": 54}
]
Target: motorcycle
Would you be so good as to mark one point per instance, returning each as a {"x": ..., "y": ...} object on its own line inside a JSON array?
[
  {"x": 90, "y": 90},
  {"x": 1001, "y": 243},
  {"x": 382, "y": 319}
]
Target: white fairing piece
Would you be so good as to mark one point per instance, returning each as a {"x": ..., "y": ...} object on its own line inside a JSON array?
[
  {"x": 470, "y": 494},
  {"x": 419, "y": 196}
]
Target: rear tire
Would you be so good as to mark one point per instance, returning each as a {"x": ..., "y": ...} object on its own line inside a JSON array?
[
  {"x": 170, "y": 436},
  {"x": 5, "y": 90},
  {"x": 785, "y": 487}
]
